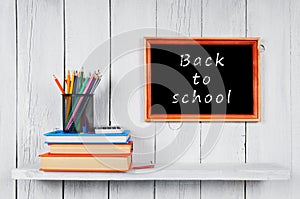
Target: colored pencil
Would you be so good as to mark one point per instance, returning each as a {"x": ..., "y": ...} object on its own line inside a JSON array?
[
  {"x": 72, "y": 82},
  {"x": 59, "y": 85},
  {"x": 79, "y": 103},
  {"x": 68, "y": 82},
  {"x": 77, "y": 99},
  {"x": 81, "y": 77},
  {"x": 85, "y": 100},
  {"x": 75, "y": 87},
  {"x": 76, "y": 105},
  {"x": 81, "y": 110},
  {"x": 70, "y": 89}
]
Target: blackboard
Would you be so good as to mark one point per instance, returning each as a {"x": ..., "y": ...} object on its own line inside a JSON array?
[{"x": 196, "y": 79}]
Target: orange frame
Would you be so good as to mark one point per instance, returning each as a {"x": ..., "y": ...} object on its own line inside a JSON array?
[{"x": 255, "y": 42}]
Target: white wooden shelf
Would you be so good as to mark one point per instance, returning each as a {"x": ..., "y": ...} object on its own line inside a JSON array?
[{"x": 216, "y": 171}]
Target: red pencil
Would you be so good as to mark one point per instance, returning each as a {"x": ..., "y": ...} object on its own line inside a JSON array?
[{"x": 59, "y": 85}]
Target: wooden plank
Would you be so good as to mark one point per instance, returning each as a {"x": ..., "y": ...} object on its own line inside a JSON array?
[
  {"x": 179, "y": 141},
  {"x": 87, "y": 45},
  {"x": 295, "y": 95},
  {"x": 129, "y": 23},
  {"x": 127, "y": 83},
  {"x": 270, "y": 139},
  {"x": 178, "y": 171},
  {"x": 40, "y": 50},
  {"x": 8, "y": 102},
  {"x": 85, "y": 189},
  {"x": 179, "y": 19},
  {"x": 178, "y": 189},
  {"x": 87, "y": 36},
  {"x": 132, "y": 189},
  {"x": 223, "y": 142}
]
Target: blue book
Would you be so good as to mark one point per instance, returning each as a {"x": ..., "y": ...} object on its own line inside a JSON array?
[{"x": 61, "y": 137}]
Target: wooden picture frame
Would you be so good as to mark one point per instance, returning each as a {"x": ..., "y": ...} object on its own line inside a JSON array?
[{"x": 254, "y": 116}]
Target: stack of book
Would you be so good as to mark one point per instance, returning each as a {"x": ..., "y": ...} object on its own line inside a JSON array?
[{"x": 105, "y": 151}]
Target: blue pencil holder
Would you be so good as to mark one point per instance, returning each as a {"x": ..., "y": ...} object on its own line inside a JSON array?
[{"x": 78, "y": 113}]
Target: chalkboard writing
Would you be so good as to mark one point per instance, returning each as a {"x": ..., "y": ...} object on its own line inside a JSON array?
[{"x": 202, "y": 79}]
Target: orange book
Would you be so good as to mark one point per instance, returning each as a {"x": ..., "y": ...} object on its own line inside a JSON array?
[
  {"x": 86, "y": 162},
  {"x": 91, "y": 148}
]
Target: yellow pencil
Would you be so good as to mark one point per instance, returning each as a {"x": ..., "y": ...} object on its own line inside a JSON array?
[
  {"x": 72, "y": 82},
  {"x": 68, "y": 82},
  {"x": 68, "y": 92}
]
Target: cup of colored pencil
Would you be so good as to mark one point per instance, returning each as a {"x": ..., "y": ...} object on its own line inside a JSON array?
[{"x": 78, "y": 102}]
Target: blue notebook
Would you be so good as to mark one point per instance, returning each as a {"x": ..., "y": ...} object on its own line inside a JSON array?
[{"x": 61, "y": 137}]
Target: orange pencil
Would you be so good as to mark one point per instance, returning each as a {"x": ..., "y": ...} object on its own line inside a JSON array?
[{"x": 59, "y": 85}]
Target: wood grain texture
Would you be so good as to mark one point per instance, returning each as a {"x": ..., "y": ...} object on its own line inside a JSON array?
[
  {"x": 178, "y": 171},
  {"x": 295, "y": 96},
  {"x": 87, "y": 46},
  {"x": 40, "y": 54},
  {"x": 130, "y": 22},
  {"x": 132, "y": 189},
  {"x": 178, "y": 189},
  {"x": 178, "y": 144},
  {"x": 223, "y": 142},
  {"x": 87, "y": 35},
  {"x": 178, "y": 141},
  {"x": 129, "y": 26},
  {"x": 85, "y": 189},
  {"x": 270, "y": 140},
  {"x": 179, "y": 18},
  {"x": 8, "y": 102}
]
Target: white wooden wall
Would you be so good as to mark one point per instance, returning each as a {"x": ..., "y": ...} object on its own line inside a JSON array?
[{"x": 39, "y": 38}]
